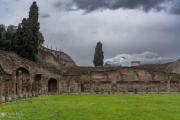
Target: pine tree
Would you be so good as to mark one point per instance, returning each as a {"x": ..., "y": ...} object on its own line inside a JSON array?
[
  {"x": 98, "y": 56},
  {"x": 17, "y": 41},
  {"x": 10, "y": 34},
  {"x": 23, "y": 42},
  {"x": 2, "y": 37},
  {"x": 33, "y": 18},
  {"x": 27, "y": 48}
]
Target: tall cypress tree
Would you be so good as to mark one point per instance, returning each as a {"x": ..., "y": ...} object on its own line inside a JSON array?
[
  {"x": 26, "y": 39},
  {"x": 33, "y": 18},
  {"x": 98, "y": 56}
]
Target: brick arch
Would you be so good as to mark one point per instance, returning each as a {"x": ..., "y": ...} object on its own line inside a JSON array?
[
  {"x": 52, "y": 85},
  {"x": 37, "y": 77},
  {"x": 25, "y": 73}
]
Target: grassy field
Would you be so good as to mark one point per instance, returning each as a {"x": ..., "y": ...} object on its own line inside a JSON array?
[{"x": 94, "y": 107}]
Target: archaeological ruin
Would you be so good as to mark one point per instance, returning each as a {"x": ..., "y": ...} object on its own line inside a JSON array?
[{"x": 59, "y": 74}]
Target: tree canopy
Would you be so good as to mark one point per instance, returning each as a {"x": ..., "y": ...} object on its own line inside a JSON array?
[
  {"x": 27, "y": 37},
  {"x": 6, "y": 37},
  {"x": 24, "y": 39}
]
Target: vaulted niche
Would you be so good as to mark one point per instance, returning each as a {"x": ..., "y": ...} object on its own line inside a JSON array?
[{"x": 52, "y": 85}]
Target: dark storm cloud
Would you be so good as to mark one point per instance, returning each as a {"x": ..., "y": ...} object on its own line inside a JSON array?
[
  {"x": 176, "y": 8},
  {"x": 44, "y": 15},
  {"x": 145, "y": 5},
  {"x": 63, "y": 4},
  {"x": 122, "y": 27}
]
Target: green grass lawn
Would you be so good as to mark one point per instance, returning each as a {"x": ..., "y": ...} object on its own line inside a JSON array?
[{"x": 94, "y": 107}]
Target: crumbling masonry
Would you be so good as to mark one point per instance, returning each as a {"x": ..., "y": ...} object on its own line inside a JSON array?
[{"x": 21, "y": 78}]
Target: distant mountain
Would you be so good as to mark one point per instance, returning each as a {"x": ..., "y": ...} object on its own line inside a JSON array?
[
  {"x": 117, "y": 61},
  {"x": 146, "y": 57}
]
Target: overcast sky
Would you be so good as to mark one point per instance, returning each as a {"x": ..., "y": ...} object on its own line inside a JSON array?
[{"x": 145, "y": 30}]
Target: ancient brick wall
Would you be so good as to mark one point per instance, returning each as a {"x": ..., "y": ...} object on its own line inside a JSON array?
[{"x": 31, "y": 79}]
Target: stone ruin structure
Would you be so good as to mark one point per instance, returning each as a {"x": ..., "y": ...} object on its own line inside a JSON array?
[
  {"x": 135, "y": 63},
  {"x": 58, "y": 74}
]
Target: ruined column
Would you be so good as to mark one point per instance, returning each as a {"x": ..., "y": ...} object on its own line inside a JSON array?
[
  {"x": 7, "y": 90},
  {"x": 91, "y": 86},
  {"x": 79, "y": 86},
  {"x": 24, "y": 88},
  {"x": 168, "y": 84},
  {"x": 68, "y": 84},
  {"x": 91, "y": 82},
  {"x": 1, "y": 89},
  {"x": 33, "y": 89},
  {"x": 97, "y": 87},
  {"x": 10, "y": 90},
  {"x": 30, "y": 92},
  {"x": 178, "y": 86},
  {"x": 150, "y": 86},
  {"x": 40, "y": 86},
  {"x": 105, "y": 76},
  {"x": 45, "y": 88},
  {"x": 13, "y": 83},
  {"x": 19, "y": 84},
  {"x": 146, "y": 87},
  {"x": 36, "y": 88},
  {"x": 59, "y": 85},
  {"x": 119, "y": 76},
  {"x": 113, "y": 87}
]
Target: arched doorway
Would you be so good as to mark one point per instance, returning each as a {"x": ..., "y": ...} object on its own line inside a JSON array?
[
  {"x": 25, "y": 73},
  {"x": 52, "y": 85},
  {"x": 22, "y": 81},
  {"x": 37, "y": 83}
]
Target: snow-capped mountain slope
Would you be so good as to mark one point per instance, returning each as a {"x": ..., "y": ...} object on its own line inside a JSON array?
[{"x": 145, "y": 58}]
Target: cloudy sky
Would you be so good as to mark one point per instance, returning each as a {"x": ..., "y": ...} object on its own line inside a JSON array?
[{"x": 145, "y": 30}]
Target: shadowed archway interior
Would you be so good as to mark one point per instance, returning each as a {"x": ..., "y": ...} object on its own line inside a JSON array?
[{"x": 52, "y": 85}]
